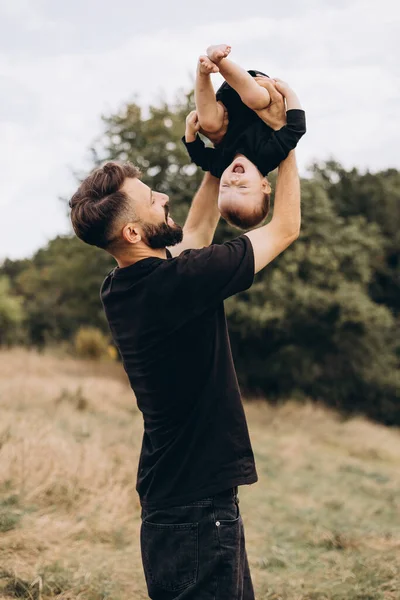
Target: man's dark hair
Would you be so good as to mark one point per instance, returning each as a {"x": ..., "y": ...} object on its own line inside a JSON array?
[
  {"x": 99, "y": 201},
  {"x": 234, "y": 217}
]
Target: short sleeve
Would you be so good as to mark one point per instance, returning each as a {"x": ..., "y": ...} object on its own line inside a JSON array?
[{"x": 206, "y": 277}]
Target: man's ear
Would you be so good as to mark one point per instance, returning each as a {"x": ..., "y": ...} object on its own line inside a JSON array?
[
  {"x": 265, "y": 186},
  {"x": 131, "y": 233}
]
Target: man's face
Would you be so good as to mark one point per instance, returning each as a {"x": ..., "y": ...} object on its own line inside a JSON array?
[{"x": 153, "y": 223}]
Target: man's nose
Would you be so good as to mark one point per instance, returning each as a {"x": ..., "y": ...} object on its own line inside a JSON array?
[{"x": 164, "y": 199}]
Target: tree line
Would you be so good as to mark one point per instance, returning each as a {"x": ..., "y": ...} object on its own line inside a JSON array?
[{"x": 322, "y": 321}]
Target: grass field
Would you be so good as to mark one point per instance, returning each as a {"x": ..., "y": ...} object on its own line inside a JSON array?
[{"x": 322, "y": 523}]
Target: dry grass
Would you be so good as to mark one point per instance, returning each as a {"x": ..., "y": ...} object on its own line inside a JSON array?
[{"x": 322, "y": 523}]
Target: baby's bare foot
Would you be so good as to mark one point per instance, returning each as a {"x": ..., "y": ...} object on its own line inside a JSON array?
[
  {"x": 217, "y": 53},
  {"x": 206, "y": 66}
]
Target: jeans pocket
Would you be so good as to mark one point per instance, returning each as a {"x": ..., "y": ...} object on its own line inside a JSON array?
[
  {"x": 227, "y": 511},
  {"x": 169, "y": 554},
  {"x": 229, "y": 529},
  {"x": 228, "y": 521}
]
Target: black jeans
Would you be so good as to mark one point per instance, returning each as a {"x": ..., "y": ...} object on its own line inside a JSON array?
[{"x": 196, "y": 551}]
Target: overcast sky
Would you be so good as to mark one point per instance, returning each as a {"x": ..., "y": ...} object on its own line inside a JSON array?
[{"x": 63, "y": 64}]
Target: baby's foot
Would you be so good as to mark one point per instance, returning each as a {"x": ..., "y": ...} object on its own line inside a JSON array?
[
  {"x": 206, "y": 66},
  {"x": 217, "y": 53}
]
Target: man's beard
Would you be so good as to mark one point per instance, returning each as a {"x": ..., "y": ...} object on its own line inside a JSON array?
[{"x": 162, "y": 235}]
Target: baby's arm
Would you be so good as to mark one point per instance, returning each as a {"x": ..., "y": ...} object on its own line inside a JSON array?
[
  {"x": 203, "y": 157},
  {"x": 210, "y": 112},
  {"x": 251, "y": 94}
]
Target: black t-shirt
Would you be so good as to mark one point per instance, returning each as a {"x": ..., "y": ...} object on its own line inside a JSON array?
[
  {"x": 168, "y": 321},
  {"x": 247, "y": 134}
]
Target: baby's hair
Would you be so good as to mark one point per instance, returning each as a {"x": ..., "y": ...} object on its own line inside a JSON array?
[{"x": 237, "y": 219}]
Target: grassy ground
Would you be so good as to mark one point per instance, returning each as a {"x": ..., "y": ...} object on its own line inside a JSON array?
[{"x": 322, "y": 523}]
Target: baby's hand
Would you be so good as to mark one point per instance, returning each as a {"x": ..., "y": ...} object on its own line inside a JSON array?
[{"x": 192, "y": 126}]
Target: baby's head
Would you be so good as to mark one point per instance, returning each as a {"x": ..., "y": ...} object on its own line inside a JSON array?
[{"x": 244, "y": 194}]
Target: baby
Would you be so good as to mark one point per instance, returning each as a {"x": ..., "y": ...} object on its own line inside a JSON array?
[{"x": 246, "y": 149}]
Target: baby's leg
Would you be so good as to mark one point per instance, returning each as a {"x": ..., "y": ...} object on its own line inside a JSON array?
[
  {"x": 209, "y": 111},
  {"x": 252, "y": 94}
]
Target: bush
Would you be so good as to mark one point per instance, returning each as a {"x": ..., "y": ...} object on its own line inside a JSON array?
[
  {"x": 11, "y": 314},
  {"x": 90, "y": 342}
]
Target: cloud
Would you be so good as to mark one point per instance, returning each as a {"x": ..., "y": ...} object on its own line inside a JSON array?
[
  {"x": 28, "y": 16},
  {"x": 348, "y": 85}
]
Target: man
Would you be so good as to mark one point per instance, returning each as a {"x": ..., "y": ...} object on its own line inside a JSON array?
[{"x": 164, "y": 305}]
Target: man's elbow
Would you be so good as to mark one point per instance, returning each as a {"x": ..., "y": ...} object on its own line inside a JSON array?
[
  {"x": 296, "y": 233},
  {"x": 291, "y": 236},
  {"x": 288, "y": 231}
]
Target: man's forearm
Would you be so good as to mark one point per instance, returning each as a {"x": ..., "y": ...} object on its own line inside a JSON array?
[
  {"x": 204, "y": 215},
  {"x": 274, "y": 237},
  {"x": 292, "y": 100},
  {"x": 287, "y": 213}
]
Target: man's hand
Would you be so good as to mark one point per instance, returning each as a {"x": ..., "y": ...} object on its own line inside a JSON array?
[
  {"x": 192, "y": 126},
  {"x": 292, "y": 100},
  {"x": 274, "y": 114}
]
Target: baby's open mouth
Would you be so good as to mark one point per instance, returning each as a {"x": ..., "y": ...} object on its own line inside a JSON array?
[{"x": 238, "y": 168}]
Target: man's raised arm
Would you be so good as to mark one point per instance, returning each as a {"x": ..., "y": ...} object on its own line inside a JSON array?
[
  {"x": 271, "y": 239},
  {"x": 203, "y": 216}
]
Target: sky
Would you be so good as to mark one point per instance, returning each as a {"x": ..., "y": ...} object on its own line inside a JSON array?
[{"x": 64, "y": 64}]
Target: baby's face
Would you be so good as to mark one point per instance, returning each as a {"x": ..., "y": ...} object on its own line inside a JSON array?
[{"x": 242, "y": 187}]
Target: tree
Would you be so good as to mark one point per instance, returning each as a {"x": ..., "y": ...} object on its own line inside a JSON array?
[
  {"x": 60, "y": 286},
  {"x": 308, "y": 323},
  {"x": 11, "y": 314},
  {"x": 377, "y": 197},
  {"x": 321, "y": 320}
]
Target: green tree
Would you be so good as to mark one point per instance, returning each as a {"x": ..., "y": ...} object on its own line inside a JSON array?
[
  {"x": 308, "y": 323},
  {"x": 321, "y": 320},
  {"x": 376, "y": 196},
  {"x": 11, "y": 314},
  {"x": 60, "y": 286}
]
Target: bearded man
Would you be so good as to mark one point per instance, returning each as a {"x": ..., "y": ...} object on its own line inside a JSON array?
[{"x": 164, "y": 305}]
